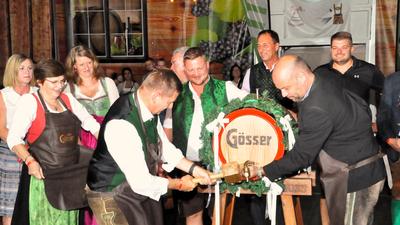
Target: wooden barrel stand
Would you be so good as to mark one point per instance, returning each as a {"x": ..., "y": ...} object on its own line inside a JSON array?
[{"x": 294, "y": 187}]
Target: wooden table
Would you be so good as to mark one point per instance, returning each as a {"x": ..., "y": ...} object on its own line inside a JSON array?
[{"x": 294, "y": 187}]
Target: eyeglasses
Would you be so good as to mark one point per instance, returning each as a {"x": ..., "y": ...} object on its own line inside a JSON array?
[{"x": 60, "y": 82}]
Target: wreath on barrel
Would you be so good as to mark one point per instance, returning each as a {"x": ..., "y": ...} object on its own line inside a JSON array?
[{"x": 280, "y": 114}]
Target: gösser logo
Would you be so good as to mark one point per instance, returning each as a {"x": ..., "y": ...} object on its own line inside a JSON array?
[
  {"x": 68, "y": 137},
  {"x": 235, "y": 138}
]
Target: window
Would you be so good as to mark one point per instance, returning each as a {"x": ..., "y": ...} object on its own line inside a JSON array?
[{"x": 114, "y": 29}]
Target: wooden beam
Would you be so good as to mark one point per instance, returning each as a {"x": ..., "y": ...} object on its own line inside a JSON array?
[
  {"x": 288, "y": 210},
  {"x": 19, "y": 27},
  {"x": 5, "y": 48},
  {"x": 42, "y": 30}
]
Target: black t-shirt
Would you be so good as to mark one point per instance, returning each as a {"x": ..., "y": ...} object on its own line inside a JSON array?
[{"x": 360, "y": 78}]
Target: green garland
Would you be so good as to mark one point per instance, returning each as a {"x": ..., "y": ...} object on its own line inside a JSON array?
[{"x": 250, "y": 101}]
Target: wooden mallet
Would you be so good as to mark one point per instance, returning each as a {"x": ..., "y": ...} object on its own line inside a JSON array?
[{"x": 230, "y": 172}]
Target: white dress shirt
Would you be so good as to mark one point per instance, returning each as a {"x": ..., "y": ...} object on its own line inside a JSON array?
[
  {"x": 25, "y": 114},
  {"x": 125, "y": 146},
  {"x": 194, "y": 142},
  {"x": 168, "y": 119}
]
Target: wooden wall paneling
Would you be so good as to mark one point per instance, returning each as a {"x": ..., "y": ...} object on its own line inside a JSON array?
[
  {"x": 19, "y": 27},
  {"x": 5, "y": 48},
  {"x": 137, "y": 69},
  {"x": 41, "y": 26},
  {"x": 61, "y": 30},
  {"x": 385, "y": 47},
  {"x": 169, "y": 26}
]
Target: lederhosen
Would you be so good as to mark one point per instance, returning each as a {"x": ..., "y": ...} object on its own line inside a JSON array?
[{"x": 64, "y": 167}]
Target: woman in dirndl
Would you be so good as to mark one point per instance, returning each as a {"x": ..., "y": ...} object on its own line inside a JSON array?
[
  {"x": 53, "y": 175},
  {"x": 93, "y": 90},
  {"x": 17, "y": 80}
]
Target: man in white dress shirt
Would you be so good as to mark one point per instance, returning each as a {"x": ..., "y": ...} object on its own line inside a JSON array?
[
  {"x": 132, "y": 145},
  {"x": 199, "y": 97}
]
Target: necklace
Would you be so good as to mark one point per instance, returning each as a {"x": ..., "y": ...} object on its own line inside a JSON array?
[{"x": 54, "y": 104}]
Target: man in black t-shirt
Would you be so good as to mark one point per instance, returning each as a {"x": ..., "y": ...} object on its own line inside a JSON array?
[{"x": 353, "y": 74}]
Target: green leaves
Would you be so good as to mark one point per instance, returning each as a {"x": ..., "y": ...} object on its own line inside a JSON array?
[{"x": 262, "y": 103}]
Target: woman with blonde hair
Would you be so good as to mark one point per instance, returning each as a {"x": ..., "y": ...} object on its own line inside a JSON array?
[
  {"x": 44, "y": 135},
  {"x": 18, "y": 80}
]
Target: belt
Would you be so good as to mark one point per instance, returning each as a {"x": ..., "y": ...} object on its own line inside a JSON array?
[{"x": 372, "y": 159}]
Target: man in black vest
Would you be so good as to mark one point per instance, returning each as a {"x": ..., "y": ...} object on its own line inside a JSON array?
[
  {"x": 259, "y": 77},
  {"x": 257, "y": 80},
  {"x": 123, "y": 181}
]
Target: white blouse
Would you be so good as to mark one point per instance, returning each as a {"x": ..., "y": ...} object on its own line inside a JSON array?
[
  {"x": 11, "y": 98},
  {"x": 25, "y": 114},
  {"x": 112, "y": 90}
]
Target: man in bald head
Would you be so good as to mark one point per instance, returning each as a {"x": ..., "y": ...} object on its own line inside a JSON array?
[{"x": 335, "y": 130}]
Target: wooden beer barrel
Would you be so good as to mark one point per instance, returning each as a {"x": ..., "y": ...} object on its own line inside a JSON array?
[{"x": 251, "y": 134}]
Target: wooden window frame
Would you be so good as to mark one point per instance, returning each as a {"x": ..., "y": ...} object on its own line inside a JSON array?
[{"x": 108, "y": 57}]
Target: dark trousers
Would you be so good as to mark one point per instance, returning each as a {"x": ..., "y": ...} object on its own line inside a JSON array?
[{"x": 257, "y": 210}]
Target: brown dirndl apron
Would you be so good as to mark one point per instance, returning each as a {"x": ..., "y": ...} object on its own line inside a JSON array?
[
  {"x": 139, "y": 209},
  {"x": 63, "y": 161},
  {"x": 334, "y": 178}
]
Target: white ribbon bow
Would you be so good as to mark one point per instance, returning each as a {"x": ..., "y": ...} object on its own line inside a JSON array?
[
  {"x": 285, "y": 121},
  {"x": 214, "y": 127},
  {"x": 274, "y": 190},
  {"x": 219, "y": 121}
]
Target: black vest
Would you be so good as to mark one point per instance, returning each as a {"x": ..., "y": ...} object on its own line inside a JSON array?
[
  {"x": 261, "y": 79},
  {"x": 104, "y": 173}
]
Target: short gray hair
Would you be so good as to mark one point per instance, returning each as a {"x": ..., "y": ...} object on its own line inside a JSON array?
[{"x": 180, "y": 50}]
